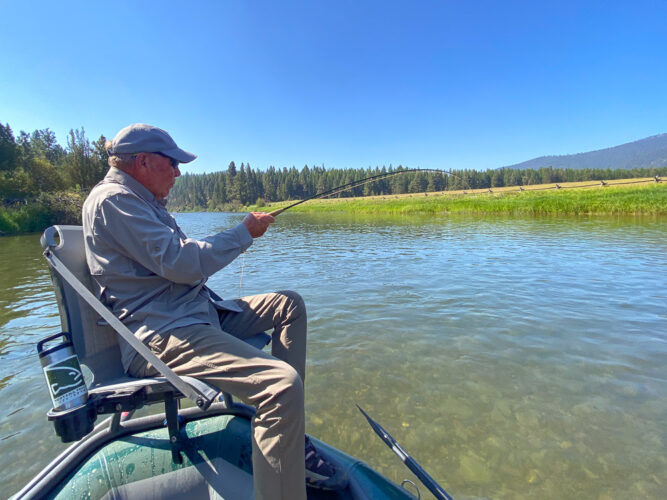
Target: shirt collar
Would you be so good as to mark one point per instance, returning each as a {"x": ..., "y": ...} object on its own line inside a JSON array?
[{"x": 120, "y": 177}]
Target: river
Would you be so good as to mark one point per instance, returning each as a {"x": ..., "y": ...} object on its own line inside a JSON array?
[{"x": 515, "y": 358}]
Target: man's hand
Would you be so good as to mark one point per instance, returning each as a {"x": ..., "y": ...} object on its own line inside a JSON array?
[{"x": 257, "y": 223}]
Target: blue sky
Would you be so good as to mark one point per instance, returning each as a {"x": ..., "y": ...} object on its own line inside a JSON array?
[{"x": 440, "y": 84}]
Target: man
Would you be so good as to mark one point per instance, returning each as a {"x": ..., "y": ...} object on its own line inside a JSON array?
[{"x": 153, "y": 277}]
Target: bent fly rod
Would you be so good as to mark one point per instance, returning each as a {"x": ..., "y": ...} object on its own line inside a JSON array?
[
  {"x": 354, "y": 184},
  {"x": 409, "y": 462}
]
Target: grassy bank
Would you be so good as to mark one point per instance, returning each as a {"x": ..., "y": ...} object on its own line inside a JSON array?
[
  {"x": 648, "y": 198},
  {"x": 38, "y": 214},
  {"x": 637, "y": 199}
]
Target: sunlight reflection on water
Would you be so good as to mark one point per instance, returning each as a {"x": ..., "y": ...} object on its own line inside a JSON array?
[{"x": 514, "y": 358}]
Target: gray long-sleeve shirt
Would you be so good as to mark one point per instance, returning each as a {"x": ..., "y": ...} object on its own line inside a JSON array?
[{"x": 144, "y": 268}]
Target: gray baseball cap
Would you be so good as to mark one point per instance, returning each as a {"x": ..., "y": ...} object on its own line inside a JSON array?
[{"x": 142, "y": 138}]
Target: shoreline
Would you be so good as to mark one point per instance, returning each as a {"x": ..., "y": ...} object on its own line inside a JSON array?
[
  {"x": 648, "y": 198},
  {"x": 621, "y": 197}
]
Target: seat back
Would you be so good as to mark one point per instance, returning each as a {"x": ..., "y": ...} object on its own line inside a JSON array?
[{"x": 95, "y": 344}]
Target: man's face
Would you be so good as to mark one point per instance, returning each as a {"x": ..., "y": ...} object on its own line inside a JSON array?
[{"x": 157, "y": 173}]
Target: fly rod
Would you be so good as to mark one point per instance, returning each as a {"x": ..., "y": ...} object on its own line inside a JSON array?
[
  {"x": 354, "y": 184},
  {"x": 409, "y": 462}
]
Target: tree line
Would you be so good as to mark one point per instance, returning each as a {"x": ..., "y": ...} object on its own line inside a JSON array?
[
  {"x": 242, "y": 186},
  {"x": 34, "y": 167},
  {"x": 34, "y": 164}
]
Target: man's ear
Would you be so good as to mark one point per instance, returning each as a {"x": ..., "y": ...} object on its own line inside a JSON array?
[
  {"x": 136, "y": 168},
  {"x": 140, "y": 160}
]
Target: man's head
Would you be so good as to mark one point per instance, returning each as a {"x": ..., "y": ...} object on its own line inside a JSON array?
[{"x": 148, "y": 154}]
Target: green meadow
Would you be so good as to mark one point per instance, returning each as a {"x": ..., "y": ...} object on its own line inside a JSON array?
[{"x": 644, "y": 199}]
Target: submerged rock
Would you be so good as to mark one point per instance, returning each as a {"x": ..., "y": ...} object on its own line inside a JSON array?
[
  {"x": 473, "y": 469},
  {"x": 533, "y": 476}
]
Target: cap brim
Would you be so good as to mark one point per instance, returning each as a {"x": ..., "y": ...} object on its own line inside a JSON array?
[{"x": 180, "y": 155}]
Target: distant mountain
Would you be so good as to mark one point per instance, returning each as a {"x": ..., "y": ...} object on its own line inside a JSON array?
[{"x": 645, "y": 153}]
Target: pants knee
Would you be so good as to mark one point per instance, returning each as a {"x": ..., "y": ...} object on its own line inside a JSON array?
[
  {"x": 295, "y": 301},
  {"x": 289, "y": 386}
]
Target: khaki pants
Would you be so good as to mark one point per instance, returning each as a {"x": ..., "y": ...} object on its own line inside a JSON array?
[{"x": 273, "y": 384}]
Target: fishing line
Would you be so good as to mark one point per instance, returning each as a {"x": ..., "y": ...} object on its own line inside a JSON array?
[
  {"x": 362, "y": 182},
  {"x": 242, "y": 269},
  {"x": 346, "y": 187}
]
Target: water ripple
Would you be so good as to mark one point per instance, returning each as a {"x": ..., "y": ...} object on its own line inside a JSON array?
[{"x": 515, "y": 358}]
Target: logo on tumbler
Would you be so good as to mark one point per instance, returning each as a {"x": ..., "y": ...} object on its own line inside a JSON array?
[{"x": 65, "y": 380}]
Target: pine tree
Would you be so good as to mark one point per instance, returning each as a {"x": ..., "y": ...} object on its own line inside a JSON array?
[{"x": 9, "y": 153}]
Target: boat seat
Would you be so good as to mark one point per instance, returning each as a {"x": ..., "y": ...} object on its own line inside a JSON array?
[
  {"x": 95, "y": 341},
  {"x": 217, "y": 480}
]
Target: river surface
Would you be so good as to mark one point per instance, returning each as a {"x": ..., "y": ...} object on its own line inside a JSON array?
[{"x": 515, "y": 358}]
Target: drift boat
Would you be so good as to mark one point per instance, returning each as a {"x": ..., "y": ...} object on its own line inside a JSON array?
[
  {"x": 135, "y": 462},
  {"x": 199, "y": 452}
]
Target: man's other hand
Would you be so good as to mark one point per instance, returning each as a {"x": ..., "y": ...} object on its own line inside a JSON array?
[{"x": 257, "y": 223}]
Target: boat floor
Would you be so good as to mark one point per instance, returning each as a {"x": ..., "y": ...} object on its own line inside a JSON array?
[{"x": 216, "y": 465}]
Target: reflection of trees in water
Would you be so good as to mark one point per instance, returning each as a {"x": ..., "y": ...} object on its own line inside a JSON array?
[
  {"x": 24, "y": 278},
  {"x": 5, "y": 380},
  {"x": 4, "y": 349}
]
